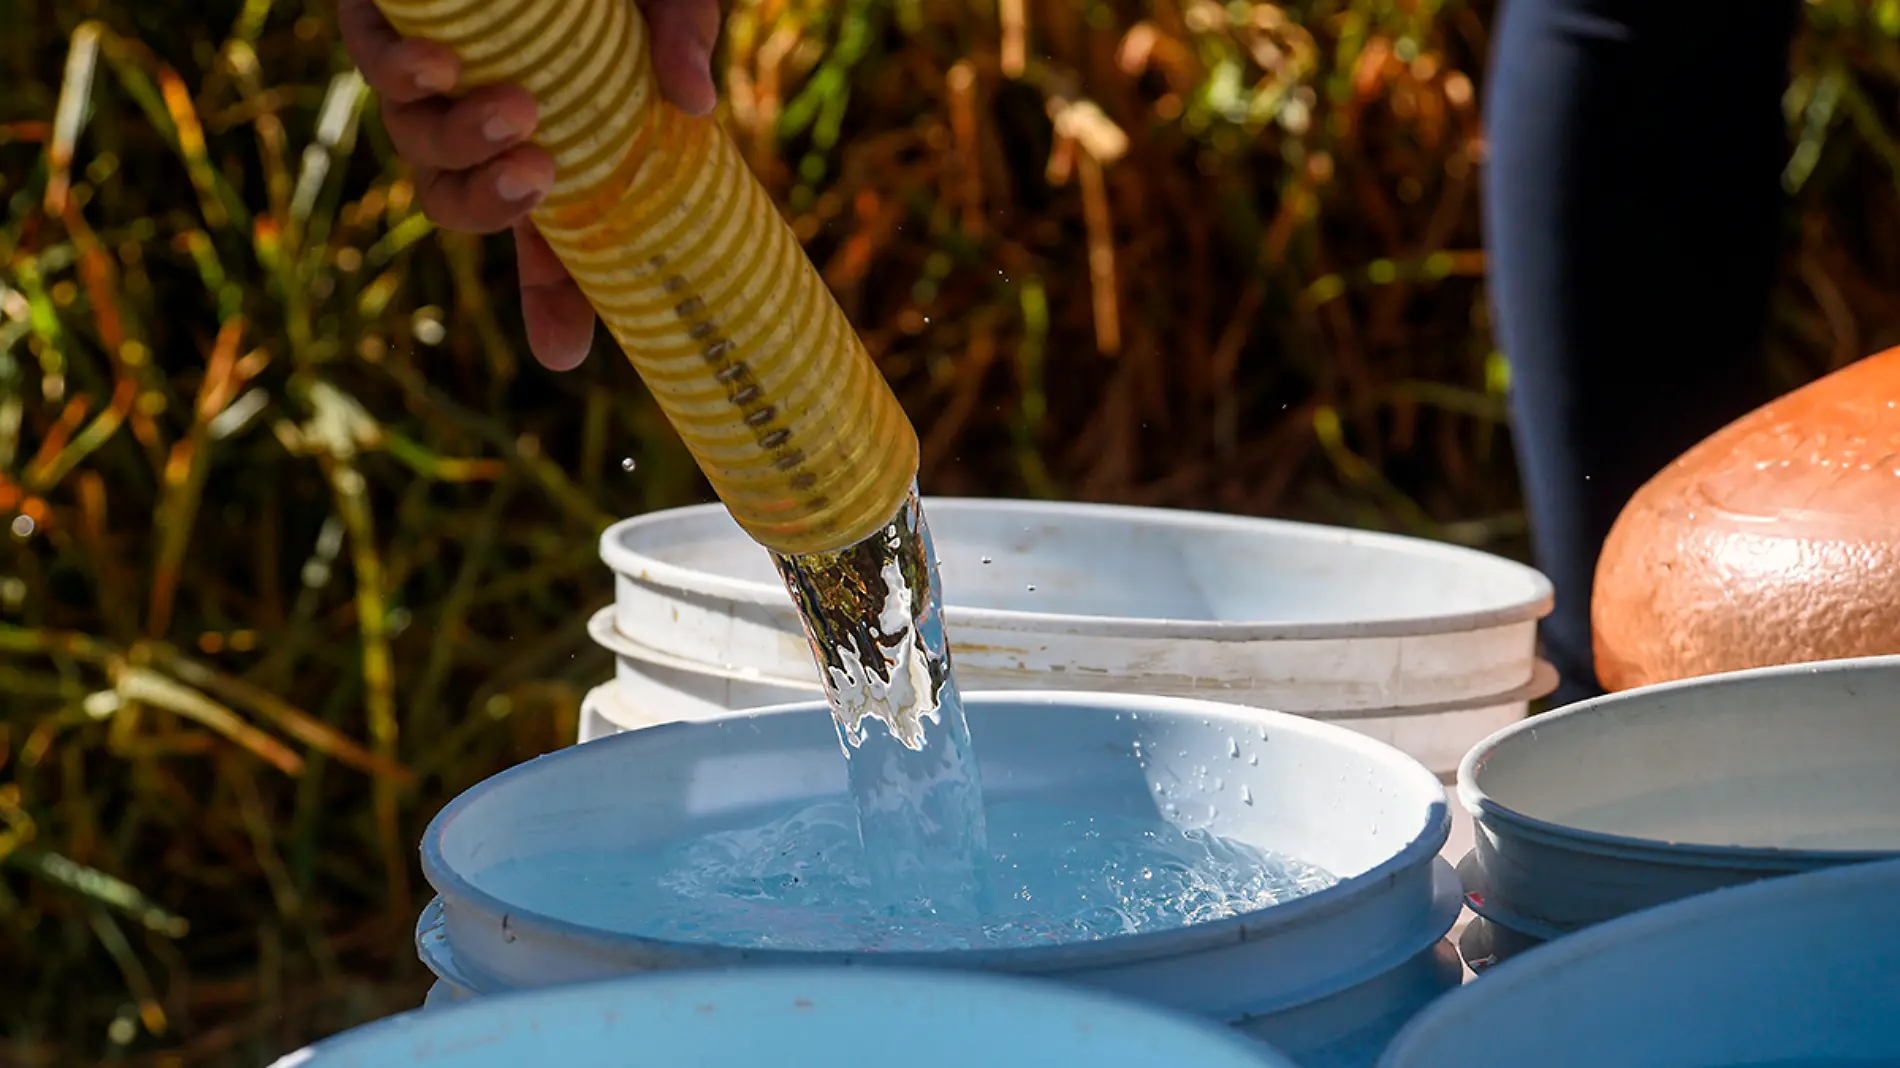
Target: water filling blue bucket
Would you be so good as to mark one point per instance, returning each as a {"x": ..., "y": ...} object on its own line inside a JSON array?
[
  {"x": 793, "y": 1018},
  {"x": 1800, "y": 970},
  {"x": 1326, "y": 978},
  {"x": 1651, "y": 795}
]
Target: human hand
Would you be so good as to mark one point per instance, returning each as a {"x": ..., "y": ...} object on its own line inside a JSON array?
[{"x": 475, "y": 168}]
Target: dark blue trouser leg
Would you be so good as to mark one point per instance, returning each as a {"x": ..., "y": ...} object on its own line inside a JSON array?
[{"x": 1633, "y": 222}]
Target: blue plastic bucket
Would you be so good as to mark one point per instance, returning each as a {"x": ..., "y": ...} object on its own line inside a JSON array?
[
  {"x": 793, "y": 1018},
  {"x": 1651, "y": 795},
  {"x": 1326, "y": 978},
  {"x": 1801, "y": 970}
]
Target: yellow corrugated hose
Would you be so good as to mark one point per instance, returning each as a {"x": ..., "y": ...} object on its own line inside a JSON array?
[{"x": 692, "y": 270}]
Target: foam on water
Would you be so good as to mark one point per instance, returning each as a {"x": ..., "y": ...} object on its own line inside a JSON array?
[{"x": 798, "y": 881}]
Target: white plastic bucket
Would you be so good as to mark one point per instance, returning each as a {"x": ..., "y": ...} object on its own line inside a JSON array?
[
  {"x": 651, "y": 689},
  {"x": 1425, "y": 645},
  {"x": 1325, "y": 978},
  {"x": 794, "y": 1017},
  {"x": 1643, "y": 797},
  {"x": 1802, "y": 970}
]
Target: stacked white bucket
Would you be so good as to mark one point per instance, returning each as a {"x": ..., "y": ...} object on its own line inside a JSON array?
[{"x": 1425, "y": 646}]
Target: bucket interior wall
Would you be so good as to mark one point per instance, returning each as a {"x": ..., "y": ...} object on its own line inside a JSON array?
[{"x": 1796, "y": 758}]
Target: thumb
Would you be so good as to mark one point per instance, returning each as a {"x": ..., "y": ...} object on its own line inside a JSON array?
[{"x": 684, "y": 32}]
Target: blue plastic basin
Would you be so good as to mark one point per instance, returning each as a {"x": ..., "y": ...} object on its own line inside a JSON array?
[{"x": 793, "y": 1018}]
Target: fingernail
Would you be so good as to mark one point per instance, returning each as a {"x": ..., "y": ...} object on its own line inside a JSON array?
[
  {"x": 518, "y": 187},
  {"x": 500, "y": 129},
  {"x": 434, "y": 80}
]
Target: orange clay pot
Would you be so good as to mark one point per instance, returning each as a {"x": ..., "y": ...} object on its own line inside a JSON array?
[{"x": 1774, "y": 541}]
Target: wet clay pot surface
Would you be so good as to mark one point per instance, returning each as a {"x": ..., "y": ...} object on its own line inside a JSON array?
[{"x": 1774, "y": 541}]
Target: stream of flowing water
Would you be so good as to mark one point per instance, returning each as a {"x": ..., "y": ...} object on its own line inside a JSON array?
[{"x": 874, "y": 615}]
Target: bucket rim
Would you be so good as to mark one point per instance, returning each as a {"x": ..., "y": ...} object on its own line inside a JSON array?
[
  {"x": 687, "y": 987},
  {"x": 1447, "y": 903},
  {"x": 1536, "y": 603},
  {"x": 1501, "y": 818},
  {"x": 1684, "y": 916},
  {"x": 605, "y": 632},
  {"x": 1347, "y": 893}
]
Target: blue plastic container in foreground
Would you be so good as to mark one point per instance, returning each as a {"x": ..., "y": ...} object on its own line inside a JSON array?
[
  {"x": 1327, "y": 978},
  {"x": 1800, "y": 970},
  {"x": 793, "y": 1018}
]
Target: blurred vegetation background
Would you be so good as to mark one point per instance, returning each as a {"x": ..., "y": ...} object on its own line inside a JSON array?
[{"x": 300, "y": 542}]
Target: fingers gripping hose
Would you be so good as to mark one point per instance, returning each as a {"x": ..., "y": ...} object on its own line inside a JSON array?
[{"x": 692, "y": 270}]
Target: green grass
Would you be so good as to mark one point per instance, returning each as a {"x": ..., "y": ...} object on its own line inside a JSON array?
[{"x": 303, "y": 542}]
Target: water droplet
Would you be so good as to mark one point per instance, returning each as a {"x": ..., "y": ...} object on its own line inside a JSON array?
[
  {"x": 1263, "y": 732},
  {"x": 1212, "y": 812},
  {"x": 1220, "y": 783},
  {"x": 1233, "y": 748},
  {"x": 1032, "y": 588},
  {"x": 1246, "y": 796},
  {"x": 628, "y": 464},
  {"x": 986, "y": 560},
  {"x": 1253, "y": 760},
  {"x": 23, "y": 526}
]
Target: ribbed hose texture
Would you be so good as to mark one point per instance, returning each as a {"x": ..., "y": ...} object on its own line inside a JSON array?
[{"x": 693, "y": 271}]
